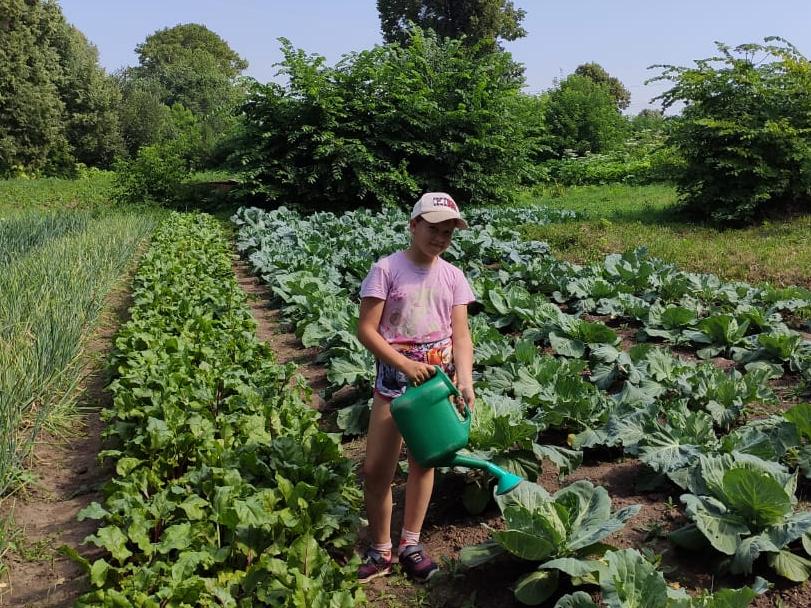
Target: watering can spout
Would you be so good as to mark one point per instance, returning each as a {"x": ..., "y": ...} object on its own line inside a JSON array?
[{"x": 506, "y": 480}]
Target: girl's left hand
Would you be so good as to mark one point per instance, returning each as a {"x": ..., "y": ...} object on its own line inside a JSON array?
[{"x": 467, "y": 397}]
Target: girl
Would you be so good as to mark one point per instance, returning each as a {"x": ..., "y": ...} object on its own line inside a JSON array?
[{"x": 413, "y": 316}]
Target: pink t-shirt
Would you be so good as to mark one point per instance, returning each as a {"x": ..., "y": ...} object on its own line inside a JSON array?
[{"x": 418, "y": 299}]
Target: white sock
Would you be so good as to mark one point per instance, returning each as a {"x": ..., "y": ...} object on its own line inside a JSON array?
[
  {"x": 407, "y": 539},
  {"x": 383, "y": 548}
]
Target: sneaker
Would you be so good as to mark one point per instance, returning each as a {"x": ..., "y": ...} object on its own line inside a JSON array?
[
  {"x": 373, "y": 566},
  {"x": 416, "y": 563}
]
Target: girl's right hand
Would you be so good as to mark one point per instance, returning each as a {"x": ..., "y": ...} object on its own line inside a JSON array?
[{"x": 418, "y": 372}]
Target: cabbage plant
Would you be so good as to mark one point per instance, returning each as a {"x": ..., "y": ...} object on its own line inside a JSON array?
[
  {"x": 743, "y": 507},
  {"x": 628, "y": 580},
  {"x": 559, "y": 533}
]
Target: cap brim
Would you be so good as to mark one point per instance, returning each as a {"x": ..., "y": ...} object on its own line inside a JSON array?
[{"x": 435, "y": 217}]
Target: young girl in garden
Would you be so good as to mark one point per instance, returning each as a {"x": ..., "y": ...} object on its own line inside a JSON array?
[{"x": 413, "y": 316}]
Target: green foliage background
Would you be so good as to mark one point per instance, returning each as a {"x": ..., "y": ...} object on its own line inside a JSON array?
[
  {"x": 58, "y": 105},
  {"x": 582, "y": 116},
  {"x": 481, "y": 22},
  {"x": 745, "y": 131},
  {"x": 385, "y": 124}
]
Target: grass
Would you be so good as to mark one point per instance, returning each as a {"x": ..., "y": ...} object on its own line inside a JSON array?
[
  {"x": 211, "y": 175},
  {"x": 92, "y": 191},
  {"x": 618, "y": 218}
]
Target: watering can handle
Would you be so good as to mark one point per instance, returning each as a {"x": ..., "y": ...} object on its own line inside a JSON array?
[
  {"x": 454, "y": 391},
  {"x": 468, "y": 415}
]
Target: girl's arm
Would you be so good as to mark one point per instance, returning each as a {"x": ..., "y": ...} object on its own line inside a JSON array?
[
  {"x": 371, "y": 310},
  {"x": 463, "y": 353}
]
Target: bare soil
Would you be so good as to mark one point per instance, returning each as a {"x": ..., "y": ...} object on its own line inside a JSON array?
[
  {"x": 42, "y": 517},
  {"x": 271, "y": 329},
  {"x": 448, "y": 527}
]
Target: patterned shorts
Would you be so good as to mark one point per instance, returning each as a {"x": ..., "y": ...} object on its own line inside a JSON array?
[{"x": 390, "y": 382}]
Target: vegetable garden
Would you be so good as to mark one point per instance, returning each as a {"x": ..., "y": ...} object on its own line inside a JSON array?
[
  {"x": 226, "y": 493},
  {"x": 55, "y": 272},
  {"x": 660, "y": 415},
  {"x": 701, "y": 381},
  {"x": 229, "y": 491}
]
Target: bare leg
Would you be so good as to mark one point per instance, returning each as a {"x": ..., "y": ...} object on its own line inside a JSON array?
[
  {"x": 419, "y": 487},
  {"x": 383, "y": 443}
]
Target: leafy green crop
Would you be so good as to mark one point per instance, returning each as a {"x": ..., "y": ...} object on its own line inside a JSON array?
[
  {"x": 628, "y": 580},
  {"x": 225, "y": 488},
  {"x": 560, "y": 532},
  {"x": 744, "y": 507}
]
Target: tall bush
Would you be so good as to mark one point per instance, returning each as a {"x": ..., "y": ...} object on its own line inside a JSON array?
[
  {"x": 157, "y": 170},
  {"x": 745, "y": 131},
  {"x": 386, "y": 123},
  {"x": 582, "y": 117}
]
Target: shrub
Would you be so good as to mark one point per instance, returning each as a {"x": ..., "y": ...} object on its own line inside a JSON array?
[
  {"x": 156, "y": 172},
  {"x": 643, "y": 159},
  {"x": 153, "y": 175},
  {"x": 386, "y": 123},
  {"x": 745, "y": 131}
]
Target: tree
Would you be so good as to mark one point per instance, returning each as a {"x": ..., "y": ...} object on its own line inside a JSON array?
[
  {"x": 32, "y": 132},
  {"x": 91, "y": 97},
  {"x": 57, "y": 103},
  {"x": 190, "y": 65},
  {"x": 145, "y": 118},
  {"x": 581, "y": 116},
  {"x": 597, "y": 73},
  {"x": 649, "y": 119},
  {"x": 481, "y": 21},
  {"x": 194, "y": 65},
  {"x": 744, "y": 132},
  {"x": 385, "y": 124}
]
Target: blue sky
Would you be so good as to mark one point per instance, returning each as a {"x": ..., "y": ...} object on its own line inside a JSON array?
[{"x": 625, "y": 36}]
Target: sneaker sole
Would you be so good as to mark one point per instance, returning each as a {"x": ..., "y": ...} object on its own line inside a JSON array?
[
  {"x": 424, "y": 579},
  {"x": 379, "y": 574}
]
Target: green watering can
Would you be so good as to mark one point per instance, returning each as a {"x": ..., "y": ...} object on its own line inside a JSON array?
[{"x": 430, "y": 424}]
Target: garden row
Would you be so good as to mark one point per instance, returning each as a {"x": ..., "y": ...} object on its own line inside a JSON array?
[
  {"x": 225, "y": 493},
  {"x": 56, "y": 271},
  {"x": 555, "y": 357}
]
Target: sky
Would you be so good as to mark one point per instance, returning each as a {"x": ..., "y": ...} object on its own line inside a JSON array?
[{"x": 624, "y": 36}]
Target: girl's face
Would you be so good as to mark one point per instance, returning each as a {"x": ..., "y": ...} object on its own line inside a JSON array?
[{"x": 431, "y": 240}]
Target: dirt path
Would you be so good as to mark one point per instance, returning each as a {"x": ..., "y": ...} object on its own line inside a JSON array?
[
  {"x": 68, "y": 478},
  {"x": 448, "y": 527}
]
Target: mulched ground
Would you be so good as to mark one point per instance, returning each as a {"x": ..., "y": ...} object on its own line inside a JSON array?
[{"x": 448, "y": 527}]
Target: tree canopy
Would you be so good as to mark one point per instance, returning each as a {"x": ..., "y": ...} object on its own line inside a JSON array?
[
  {"x": 744, "y": 132},
  {"x": 91, "y": 98},
  {"x": 582, "y": 117},
  {"x": 186, "y": 65},
  {"x": 597, "y": 73},
  {"x": 57, "y": 103},
  {"x": 31, "y": 132},
  {"x": 193, "y": 65},
  {"x": 481, "y": 21}
]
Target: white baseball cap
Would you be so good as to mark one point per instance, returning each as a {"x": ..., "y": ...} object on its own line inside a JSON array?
[{"x": 438, "y": 207}]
